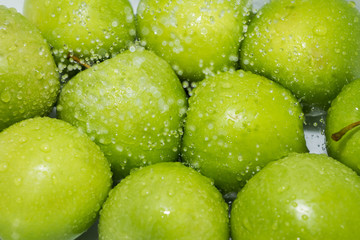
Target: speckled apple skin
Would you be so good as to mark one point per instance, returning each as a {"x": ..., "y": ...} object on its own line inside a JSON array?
[
  {"x": 29, "y": 83},
  {"x": 311, "y": 47},
  {"x": 303, "y": 196},
  {"x": 197, "y": 38},
  {"x": 237, "y": 123},
  {"x": 164, "y": 201},
  {"x": 132, "y": 106},
  {"x": 344, "y": 111},
  {"x": 53, "y": 180},
  {"x": 90, "y": 29}
]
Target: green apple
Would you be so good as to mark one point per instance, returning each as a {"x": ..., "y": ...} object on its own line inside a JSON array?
[
  {"x": 132, "y": 106},
  {"x": 53, "y": 180},
  {"x": 91, "y": 30},
  {"x": 29, "y": 82},
  {"x": 303, "y": 196},
  {"x": 344, "y": 112},
  {"x": 197, "y": 38},
  {"x": 236, "y": 123},
  {"x": 311, "y": 47},
  {"x": 164, "y": 201}
]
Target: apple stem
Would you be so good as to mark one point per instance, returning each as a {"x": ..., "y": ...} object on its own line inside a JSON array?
[
  {"x": 338, "y": 135},
  {"x": 78, "y": 60}
]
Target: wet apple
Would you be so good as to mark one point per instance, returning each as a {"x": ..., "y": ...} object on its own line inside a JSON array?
[{"x": 53, "y": 180}]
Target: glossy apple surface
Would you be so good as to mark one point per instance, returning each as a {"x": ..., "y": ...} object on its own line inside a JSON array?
[
  {"x": 53, "y": 180},
  {"x": 29, "y": 82},
  {"x": 197, "y": 38},
  {"x": 344, "y": 111},
  {"x": 132, "y": 106},
  {"x": 164, "y": 201},
  {"x": 91, "y": 30},
  {"x": 311, "y": 47},
  {"x": 237, "y": 122},
  {"x": 303, "y": 196}
]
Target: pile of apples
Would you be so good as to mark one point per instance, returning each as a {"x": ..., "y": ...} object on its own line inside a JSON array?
[{"x": 182, "y": 121}]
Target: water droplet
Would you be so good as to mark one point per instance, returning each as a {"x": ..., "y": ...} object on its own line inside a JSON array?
[
  {"x": 23, "y": 139},
  {"x": 3, "y": 166},
  {"x": 320, "y": 30},
  {"x": 5, "y": 97},
  {"x": 63, "y": 18},
  {"x": 45, "y": 148},
  {"x": 275, "y": 225},
  {"x": 226, "y": 85},
  {"x": 305, "y": 217},
  {"x": 352, "y": 4},
  {"x": 18, "y": 181},
  {"x": 119, "y": 148},
  {"x": 15, "y": 235},
  {"x": 10, "y": 59},
  {"x": 167, "y": 212},
  {"x": 12, "y": 48},
  {"x": 39, "y": 75},
  {"x": 246, "y": 224},
  {"x": 281, "y": 189},
  {"x": 115, "y": 23},
  {"x": 144, "y": 192}
]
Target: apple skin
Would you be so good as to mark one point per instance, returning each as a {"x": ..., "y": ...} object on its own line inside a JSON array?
[
  {"x": 197, "y": 38},
  {"x": 29, "y": 82},
  {"x": 132, "y": 106},
  {"x": 236, "y": 123},
  {"x": 53, "y": 180},
  {"x": 92, "y": 30},
  {"x": 164, "y": 201},
  {"x": 344, "y": 111},
  {"x": 303, "y": 196},
  {"x": 311, "y": 47}
]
